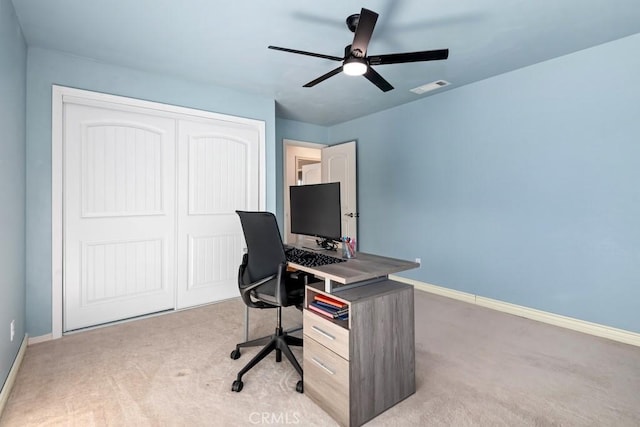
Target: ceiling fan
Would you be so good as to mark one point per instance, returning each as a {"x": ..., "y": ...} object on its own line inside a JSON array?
[{"x": 357, "y": 63}]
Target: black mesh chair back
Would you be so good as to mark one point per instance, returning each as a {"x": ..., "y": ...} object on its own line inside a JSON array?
[{"x": 265, "y": 259}]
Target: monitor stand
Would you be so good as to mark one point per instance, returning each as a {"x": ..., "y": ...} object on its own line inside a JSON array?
[{"x": 327, "y": 244}]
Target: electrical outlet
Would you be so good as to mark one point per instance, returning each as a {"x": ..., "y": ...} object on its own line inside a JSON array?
[
  {"x": 13, "y": 329},
  {"x": 418, "y": 260}
]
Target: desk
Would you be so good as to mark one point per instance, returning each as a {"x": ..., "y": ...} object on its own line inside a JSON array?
[
  {"x": 356, "y": 271},
  {"x": 357, "y": 368},
  {"x": 359, "y": 271}
]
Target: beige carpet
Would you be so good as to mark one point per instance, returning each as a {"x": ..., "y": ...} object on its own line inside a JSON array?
[{"x": 474, "y": 367}]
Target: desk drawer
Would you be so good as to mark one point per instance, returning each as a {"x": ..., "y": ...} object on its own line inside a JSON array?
[
  {"x": 326, "y": 380},
  {"x": 326, "y": 333}
]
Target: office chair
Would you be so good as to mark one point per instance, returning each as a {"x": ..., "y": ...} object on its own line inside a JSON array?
[{"x": 264, "y": 282}]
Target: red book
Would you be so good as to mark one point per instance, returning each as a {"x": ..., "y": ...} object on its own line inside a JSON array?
[{"x": 326, "y": 299}]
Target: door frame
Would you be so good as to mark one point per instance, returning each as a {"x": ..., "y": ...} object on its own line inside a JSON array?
[
  {"x": 62, "y": 94},
  {"x": 286, "y": 144}
]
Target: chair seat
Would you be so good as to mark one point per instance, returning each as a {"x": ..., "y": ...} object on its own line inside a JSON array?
[{"x": 267, "y": 292}]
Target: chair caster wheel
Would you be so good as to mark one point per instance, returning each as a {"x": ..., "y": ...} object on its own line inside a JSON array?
[
  {"x": 299, "y": 387},
  {"x": 235, "y": 354},
  {"x": 237, "y": 386}
]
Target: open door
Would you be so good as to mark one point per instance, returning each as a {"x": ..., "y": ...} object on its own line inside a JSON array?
[{"x": 339, "y": 165}]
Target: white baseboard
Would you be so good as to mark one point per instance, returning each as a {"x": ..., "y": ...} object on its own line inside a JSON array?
[
  {"x": 596, "y": 329},
  {"x": 41, "y": 338},
  {"x": 8, "y": 384}
]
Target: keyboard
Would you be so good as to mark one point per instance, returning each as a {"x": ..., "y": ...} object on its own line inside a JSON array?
[{"x": 309, "y": 258}]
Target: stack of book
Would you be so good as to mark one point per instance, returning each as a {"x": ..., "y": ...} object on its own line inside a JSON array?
[{"x": 329, "y": 307}]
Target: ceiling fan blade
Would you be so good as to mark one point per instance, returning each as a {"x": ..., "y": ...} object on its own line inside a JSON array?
[
  {"x": 378, "y": 80},
  {"x": 398, "y": 58},
  {"x": 364, "y": 30},
  {"x": 302, "y": 52},
  {"x": 324, "y": 77}
]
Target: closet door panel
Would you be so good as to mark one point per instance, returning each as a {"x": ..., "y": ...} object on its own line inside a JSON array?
[
  {"x": 218, "y": 165},
  {"x": 119, "y": 216}
]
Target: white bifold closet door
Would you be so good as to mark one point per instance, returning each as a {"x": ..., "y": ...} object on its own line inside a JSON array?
[
  {"x": 119, "y": 215},
  {"x": 149, "y": 210},
  {"x": 218, "y": 174}
]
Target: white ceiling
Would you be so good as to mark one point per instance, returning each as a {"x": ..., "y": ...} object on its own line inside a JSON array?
[{"x": 225, "y": 42}]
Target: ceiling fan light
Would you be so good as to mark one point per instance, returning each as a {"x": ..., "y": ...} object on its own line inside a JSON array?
[{"x": 354, "y": 67}]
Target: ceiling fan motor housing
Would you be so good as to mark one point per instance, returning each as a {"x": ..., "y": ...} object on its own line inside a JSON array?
[{"x": 348, "y": 53}]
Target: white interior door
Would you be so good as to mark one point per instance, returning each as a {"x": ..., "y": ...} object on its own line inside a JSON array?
[
  {"x": 119, "y": 216},
  {"x": 218, "y": 174},
  {"x": 339, "y": 165},
  {"x": 311, "y": 174}
]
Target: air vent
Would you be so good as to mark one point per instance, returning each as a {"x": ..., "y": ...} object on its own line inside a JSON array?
[{"x": 430, "y": 86}]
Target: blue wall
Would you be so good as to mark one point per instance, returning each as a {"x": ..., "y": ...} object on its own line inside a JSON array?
[
  {"x": 13, "y": 66},
  {"x": 523, "y": 188},
  {"x": 46, "y": 68}
]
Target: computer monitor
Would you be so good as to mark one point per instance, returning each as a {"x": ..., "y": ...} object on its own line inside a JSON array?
[{"x": 315, "y": 211}]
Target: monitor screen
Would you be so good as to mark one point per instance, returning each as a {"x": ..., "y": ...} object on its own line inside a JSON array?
[{"x": 315, "y": 210}]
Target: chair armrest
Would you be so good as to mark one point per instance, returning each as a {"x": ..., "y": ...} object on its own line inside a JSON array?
[{"x": 260, "y": 282}]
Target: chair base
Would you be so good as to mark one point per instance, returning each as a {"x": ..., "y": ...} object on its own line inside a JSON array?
[{"x": 278, "y": 342}]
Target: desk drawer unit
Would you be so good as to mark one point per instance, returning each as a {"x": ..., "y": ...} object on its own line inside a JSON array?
[
  {"x": 326, "y": 379},
  {"x": 358, "y": 368},
  {"x": 326, "y": 333}
]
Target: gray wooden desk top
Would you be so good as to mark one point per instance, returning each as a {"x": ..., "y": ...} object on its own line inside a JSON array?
[{"x": 363, "y": 267}]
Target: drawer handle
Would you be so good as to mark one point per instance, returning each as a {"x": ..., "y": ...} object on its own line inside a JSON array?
[
  {"x": 322, "y": 365},
  {"x": 323, "y": 333}
]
